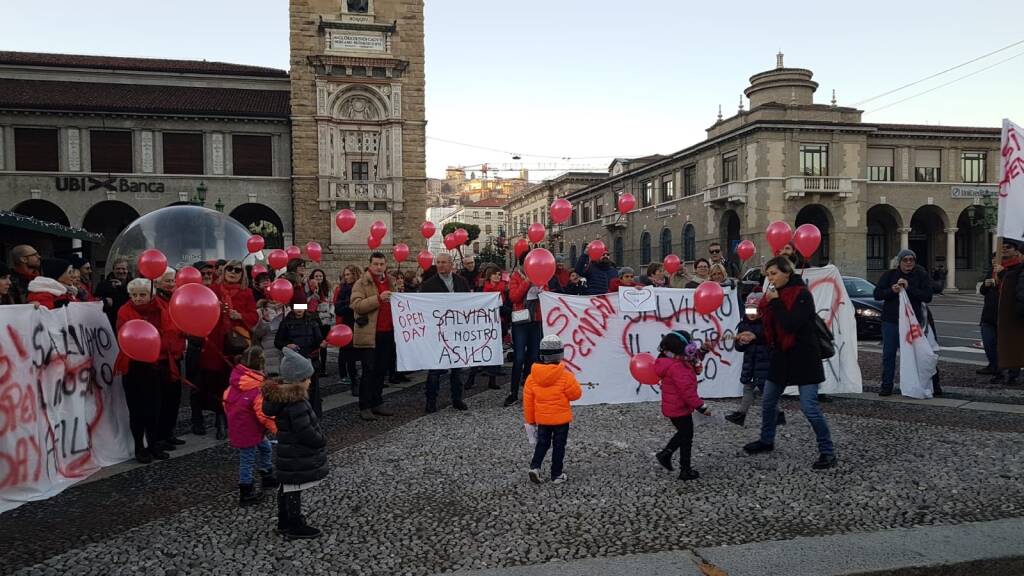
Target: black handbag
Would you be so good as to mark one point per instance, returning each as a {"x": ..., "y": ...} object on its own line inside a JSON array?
[{"x": 826, "y": 341}]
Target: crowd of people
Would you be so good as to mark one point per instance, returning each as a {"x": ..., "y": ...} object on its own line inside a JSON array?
[{"x": 258, "y": 372}]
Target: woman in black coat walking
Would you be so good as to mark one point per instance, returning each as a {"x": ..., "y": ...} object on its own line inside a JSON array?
[{"x": 788, "y": 316}]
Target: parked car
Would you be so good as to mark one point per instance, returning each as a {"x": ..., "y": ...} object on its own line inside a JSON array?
[
  {"x": 867, "y": 310},
  {"x": 752, "y": 281}
]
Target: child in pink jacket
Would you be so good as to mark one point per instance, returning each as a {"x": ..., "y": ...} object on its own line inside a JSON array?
[
  {"x": 248, "y": 426},
  {"x": 677, "y": 365}
]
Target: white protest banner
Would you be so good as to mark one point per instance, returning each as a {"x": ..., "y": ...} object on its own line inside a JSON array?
[
  {"x": 1011, "y": 183},
  {"x": 443, "y": 330},
  {"x": 842, "y": 371},
  {"x": 600, "y": 338},
  {"x": 918, "y": 361},
  {"x": 62, "y": 410},
  {"x": 640, "y": 299}
]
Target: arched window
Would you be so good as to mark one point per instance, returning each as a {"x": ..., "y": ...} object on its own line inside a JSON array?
[
  {"x": 572, "y": 255},
  {"x": 666, "y": 243},
  {"x": 618, "y": 250},
  {"x": 689, "y": 243},
  {"x": 645, "y": 248}
]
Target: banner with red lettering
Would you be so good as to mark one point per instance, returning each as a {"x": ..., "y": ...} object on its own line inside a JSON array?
[
  {"x": 918, "y": 359},
  {"x": 1011, "y": 183},
  {"x": 62, "y": 410},
  {"x": 600, "y": 338}
]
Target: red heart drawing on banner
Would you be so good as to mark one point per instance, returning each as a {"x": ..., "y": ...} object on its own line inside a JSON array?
[{"x": 637, "y": 296}]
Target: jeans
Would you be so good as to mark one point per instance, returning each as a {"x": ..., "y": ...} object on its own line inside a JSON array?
[
  {"x": 546, "y": 435},
  {"x": 682, "y": 440},
  {"x": 434, "y": 383},
  {"x": 808, "y": 405},
  {"x": 890, "y": 345},
  {"x": 248, "y": 463},
  {"x": 525, "y": 346},
  {"x": 988, "y": 339}
]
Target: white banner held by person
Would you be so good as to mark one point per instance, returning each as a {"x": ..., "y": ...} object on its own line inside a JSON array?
[
  {"x": 1011, "y": 183},
  {"x": 438, "y": 331},
  {"x": 833, "y": 304},
  {"x": 918, "y": 361},
  {"x": 62, "y": 410}
]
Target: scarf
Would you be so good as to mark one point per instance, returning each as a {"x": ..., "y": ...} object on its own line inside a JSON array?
[
  {"x": 47, "y": 285},
  {"x": 774, "y": 335}
]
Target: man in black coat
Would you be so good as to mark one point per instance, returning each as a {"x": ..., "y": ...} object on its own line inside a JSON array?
[
  {"x": 442, "y": 282},
  {"x": 300, "y": 331},
  {"x": 113, "y": 291},
  {"x": 914, "y": 280}
]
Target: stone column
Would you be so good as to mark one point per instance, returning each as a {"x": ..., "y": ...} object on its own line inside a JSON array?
[
  {"x": 904, "y": 238},
  {"x": 951, "y": 259}
]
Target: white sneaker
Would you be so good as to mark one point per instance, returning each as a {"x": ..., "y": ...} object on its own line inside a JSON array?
[
  {"x": 561, "y": 478},
  {"x": 535, "y": 475}
]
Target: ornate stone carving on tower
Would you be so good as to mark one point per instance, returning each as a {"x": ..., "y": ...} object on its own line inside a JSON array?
[{"x": 358, "y": 123}]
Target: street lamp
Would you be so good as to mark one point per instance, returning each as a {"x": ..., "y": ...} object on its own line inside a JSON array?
[
  {"x": 199, "y": 199},
  {"x": 989, "y": 216},
  {"x": 219, "y": 206}
]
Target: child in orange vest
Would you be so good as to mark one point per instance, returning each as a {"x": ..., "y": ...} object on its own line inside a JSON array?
[{"x": 549, "y": 389}]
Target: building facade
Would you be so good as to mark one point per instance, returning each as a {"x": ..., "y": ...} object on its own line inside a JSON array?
[
  {"x": 870, "y": 188},
  {"x": 488, "y": 215},
  {"x": 94, "y": 142},
  {"x": 533, "y": 205},
  {"x": 358, "y": 125}
]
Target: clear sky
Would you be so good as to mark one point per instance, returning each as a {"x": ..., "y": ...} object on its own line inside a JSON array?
[{"x": 581, "y": 78}]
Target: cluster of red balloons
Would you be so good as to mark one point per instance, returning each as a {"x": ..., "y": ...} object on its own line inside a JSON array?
[
  {"x": 453, "y": 240},
  {"x": 806, "y": 239}
]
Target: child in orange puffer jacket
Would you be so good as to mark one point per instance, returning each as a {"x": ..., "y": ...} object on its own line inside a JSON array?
[{"x": 549, "y": 389}]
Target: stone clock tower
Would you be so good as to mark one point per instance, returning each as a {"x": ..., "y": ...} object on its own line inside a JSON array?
[{"x": 358, "y": 122}]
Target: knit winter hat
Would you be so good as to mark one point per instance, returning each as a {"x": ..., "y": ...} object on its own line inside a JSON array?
[
  {"x": 54, "y": 268},
  {"x": 904, "y": 253},
  {"x": 551, "y": 349},
  {"x": 626, "y": 270},
  {"x": 294, "y": 366},
  {"x": 76, "y": 261}
]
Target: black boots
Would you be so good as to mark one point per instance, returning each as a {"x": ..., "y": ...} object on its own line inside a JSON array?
[
  {"x": 142, "y": 455},
  {"x": 781, "y": 420},
  {"x": 290, "y": 521},
  {"x": 248, "y": 495},
  {"x": 268, "y": 480},
  {"x": 221, "y": 424},
  {"x": 756, "y": 447},
  {"x": 737, "y": 418},
  {"x": 491, "y": 382},
  {"x": 688, "y": 474},
  {"x": 824, "y": 461},
  {"x": 665, "y": 459},
  {"x": 198, "y": 425}
]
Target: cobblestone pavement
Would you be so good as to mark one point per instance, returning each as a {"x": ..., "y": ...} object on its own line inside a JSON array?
[{"x": 449, "y": 491}]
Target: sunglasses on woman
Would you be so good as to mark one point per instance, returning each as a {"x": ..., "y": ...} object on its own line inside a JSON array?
[{"x": 235, "y": 269}]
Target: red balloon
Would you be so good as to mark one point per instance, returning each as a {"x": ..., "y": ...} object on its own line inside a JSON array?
[
  {"x": 281, "y": 291},
  {"x": 258, "y": 269},
  {"x": 425, "y": 259},
  {"x": 139, "y": 341},
  {"x": 778, "y": 235},
  {"x": 152, "y": 264},
  {"x": 521, "y": 247},
  {"x": 539, "y": 266},
  {"x": 339, "y": 335},
  {"x": 596, "y": 250},
  {"x": 746, "y": 250},
  {"x": 450, "y": 241},
  {"x": 293, "y": 252},
  {"x": 255, "y": 243},
  {"x": 277, "y": 259},
  {"x": 561, "y": 210},
  {"x": 401, "y": 252},
  {"x": 708, "y": 297},
  {"x": 641, "y": 367},
  {"x": 372, "y": 242},
  {"x": 345, "y": 220},
  {"x": 195, "y": 309},
  {"x": 626, "y": 203},
  {"x": 188, "y": 275},
  {"x": 314, "y": 251},
  {"x": 807, "y": 238},
  {"x": 378, "y": 230},
  {"x": 461, "y": 236},
  {"x": 427, "y": 229},
  {"x": 536, "y": 232},
  {"x": 671, "y": 263}
]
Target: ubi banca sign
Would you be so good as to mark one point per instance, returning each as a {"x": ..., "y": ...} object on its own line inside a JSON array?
[{"x": 89, "y": 184}]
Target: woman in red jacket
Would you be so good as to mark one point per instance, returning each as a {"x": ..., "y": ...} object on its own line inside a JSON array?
[
  {"x": 50, "y": 289},
  {"x": 526, "y": 328},
  {"x": 145, "y": 383},
  {"x": 238, "y": 316}
]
